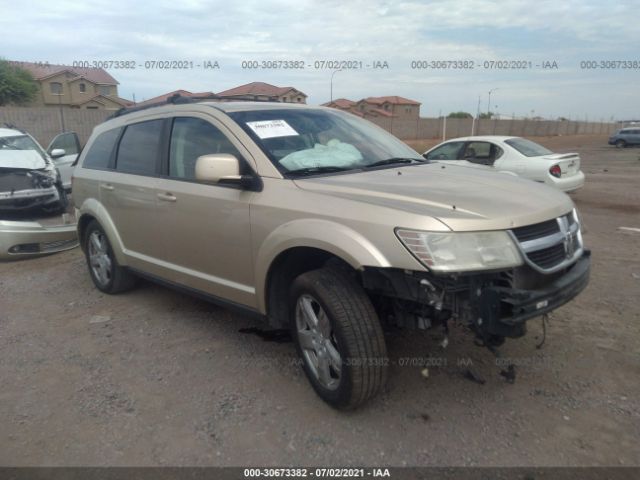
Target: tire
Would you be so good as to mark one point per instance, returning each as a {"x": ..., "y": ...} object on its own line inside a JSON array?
[
  {"x": 621, "y": 143},
  {"x": 107, "y": 275},
  {"x": 346, "y": 324}
]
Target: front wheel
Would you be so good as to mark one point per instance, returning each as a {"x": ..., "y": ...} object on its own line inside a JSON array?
[
  {"x": 621, "y": 143},
  {"x": 338, "y": 336}
]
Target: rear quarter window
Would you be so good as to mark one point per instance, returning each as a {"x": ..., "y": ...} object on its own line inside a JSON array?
[{"x": 99, "y": 153}]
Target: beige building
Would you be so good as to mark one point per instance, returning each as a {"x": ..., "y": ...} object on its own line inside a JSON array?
[
  {"x": 390, "y": 107},
  {"x": 260, "y": 91},
  {"x": 62, "y": 85}
]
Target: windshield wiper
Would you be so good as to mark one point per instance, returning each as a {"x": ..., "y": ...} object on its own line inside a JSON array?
[
  {"x": 394, "y": 161},
  {"x": 315, "y": 170}
]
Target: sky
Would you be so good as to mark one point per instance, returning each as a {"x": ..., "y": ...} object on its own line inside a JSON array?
[{"x": 401, "y": 37}]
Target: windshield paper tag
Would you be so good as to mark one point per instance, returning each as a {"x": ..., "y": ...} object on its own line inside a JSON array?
[{"x": 272, "y": 128}]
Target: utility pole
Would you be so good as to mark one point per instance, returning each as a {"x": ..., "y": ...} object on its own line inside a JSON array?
[
  {"x": 489, "y": 101},
  {"x": 334, "y": 72}
]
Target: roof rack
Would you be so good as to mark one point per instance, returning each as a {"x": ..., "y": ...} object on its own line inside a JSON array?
[{"x": 175, "y": 99}]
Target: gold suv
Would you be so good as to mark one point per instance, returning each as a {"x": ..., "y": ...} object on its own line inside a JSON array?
[{"x": 318, "y": 221}]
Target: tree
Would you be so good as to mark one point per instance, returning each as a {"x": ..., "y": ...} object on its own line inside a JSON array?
[
  {"x": 486, "y": 115},
  {"x": 460, "y": 115},
  {"x": 17, "y": 85}
]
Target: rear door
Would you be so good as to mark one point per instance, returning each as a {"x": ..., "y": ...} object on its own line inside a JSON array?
[
  {"x": 70, "y": 143},
  {"x": 129, "y": 193},
  {"x": 206, "y": 227}
]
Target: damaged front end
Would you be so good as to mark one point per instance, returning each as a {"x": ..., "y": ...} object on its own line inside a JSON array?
[
  {"x": 552, "y": 268},
  {"x": 22, "y": 189},
  {"x": 494, "y": 305}
]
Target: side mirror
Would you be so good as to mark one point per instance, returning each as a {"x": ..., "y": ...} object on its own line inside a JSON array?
[
  {"x": 215, "y": 168},
  {"x": 57, "y": 153},
  {"x": 225, "y": 168}
]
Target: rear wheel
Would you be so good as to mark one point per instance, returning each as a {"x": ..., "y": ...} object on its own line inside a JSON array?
[
  {"x": 338, "y": 336},
  {"x": 107, "y": 275},
  {"x": 621, "y": 143}
]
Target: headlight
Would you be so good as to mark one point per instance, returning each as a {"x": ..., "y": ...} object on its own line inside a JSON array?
[
  {"x": 464, "y": 251},
  {"x": 578, "y": 218}
]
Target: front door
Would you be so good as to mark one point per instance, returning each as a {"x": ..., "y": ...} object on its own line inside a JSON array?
[{"x": 207, "y": 233}]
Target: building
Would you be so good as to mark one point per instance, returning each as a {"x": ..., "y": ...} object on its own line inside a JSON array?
[
  {"x": 374, "y": 107},
  {"x": 341, "y": 104},
  {"x": 260, "y": 91},
  {"x": 393, "y": 107},
  {"x": 71, "y": 87},
  {"x": 183, "y": 93}
]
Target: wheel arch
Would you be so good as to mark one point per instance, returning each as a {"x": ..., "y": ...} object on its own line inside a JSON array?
[
  {"x": 298, "y": 247},
  {"x": 90, "y": 210}
]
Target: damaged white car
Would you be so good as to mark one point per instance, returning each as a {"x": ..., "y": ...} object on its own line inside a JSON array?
[{"x": 28, "y": 177}]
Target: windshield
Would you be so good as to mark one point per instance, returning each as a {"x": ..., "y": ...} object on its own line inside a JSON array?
[
  {"x": 311, "y": 141},
  {"x": 527, "y": 147},
  {"x": 20, "y": 142}
]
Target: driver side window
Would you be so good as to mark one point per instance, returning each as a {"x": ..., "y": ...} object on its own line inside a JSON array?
[
  {"x": 192, "y": 138},
  {"x": 448, "y": 151}
]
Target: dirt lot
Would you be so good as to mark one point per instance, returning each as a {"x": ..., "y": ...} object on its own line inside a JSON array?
[{"x": 154, "y": 377}]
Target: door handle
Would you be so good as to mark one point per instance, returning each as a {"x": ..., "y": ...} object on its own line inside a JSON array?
[
  {"x": 106, "y": 186},
  {"x": 167, "y": 197}
]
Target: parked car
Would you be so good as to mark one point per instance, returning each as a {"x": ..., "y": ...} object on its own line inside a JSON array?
[
  {"x": 319, "y": 221},
  {"x": 515, "y": 155},
  {"x": 64, "y": 150},
  {"x": 625, "y": 137},
  {"x": 28, "y": 177}
]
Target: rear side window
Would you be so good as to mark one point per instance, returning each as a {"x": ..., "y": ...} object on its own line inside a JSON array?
[
  {"x": 99, "y": 153},
  {"x": 140, "y": 147}
]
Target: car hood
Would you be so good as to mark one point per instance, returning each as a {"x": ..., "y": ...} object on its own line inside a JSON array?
[
  {"x": 462, "y": 198},
  {"x": 21, "y": 159}
]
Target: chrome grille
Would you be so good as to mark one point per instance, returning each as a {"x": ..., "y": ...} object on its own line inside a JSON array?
[
  {"x": 531, "y": 232},
  {"x": 551, "y": 245}
]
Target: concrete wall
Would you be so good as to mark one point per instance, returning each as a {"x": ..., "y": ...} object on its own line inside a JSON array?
[
  {"x": 425, "y": 128},
  {"x": 44, "y": 123}
]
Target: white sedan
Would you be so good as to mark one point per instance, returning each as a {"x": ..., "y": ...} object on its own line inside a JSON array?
[{"x": 513, "y": 155}]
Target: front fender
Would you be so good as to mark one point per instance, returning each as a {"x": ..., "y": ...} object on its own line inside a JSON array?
[
  {"x": 332, "y": 237},
  {"x": 96, "y": 210}
]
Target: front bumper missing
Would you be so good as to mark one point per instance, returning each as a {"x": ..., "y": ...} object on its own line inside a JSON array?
[
  {"x": 503, "y": 311},
  {"x": 27, "y": 239}
]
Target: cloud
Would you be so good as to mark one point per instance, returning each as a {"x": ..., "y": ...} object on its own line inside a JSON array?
[{"x": 393, "y": 31}]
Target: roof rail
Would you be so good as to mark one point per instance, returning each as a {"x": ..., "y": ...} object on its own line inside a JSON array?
[{"x": 175, "y": 99}]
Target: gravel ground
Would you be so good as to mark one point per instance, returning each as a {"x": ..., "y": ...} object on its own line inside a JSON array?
[{"x": 154, "y": 377}]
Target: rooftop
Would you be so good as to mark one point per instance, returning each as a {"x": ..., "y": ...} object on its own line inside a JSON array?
[
  {"x": 257, "y": 88},
  {"x": 396, "y": 100},
  {"x": 42, "y": 71}
]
